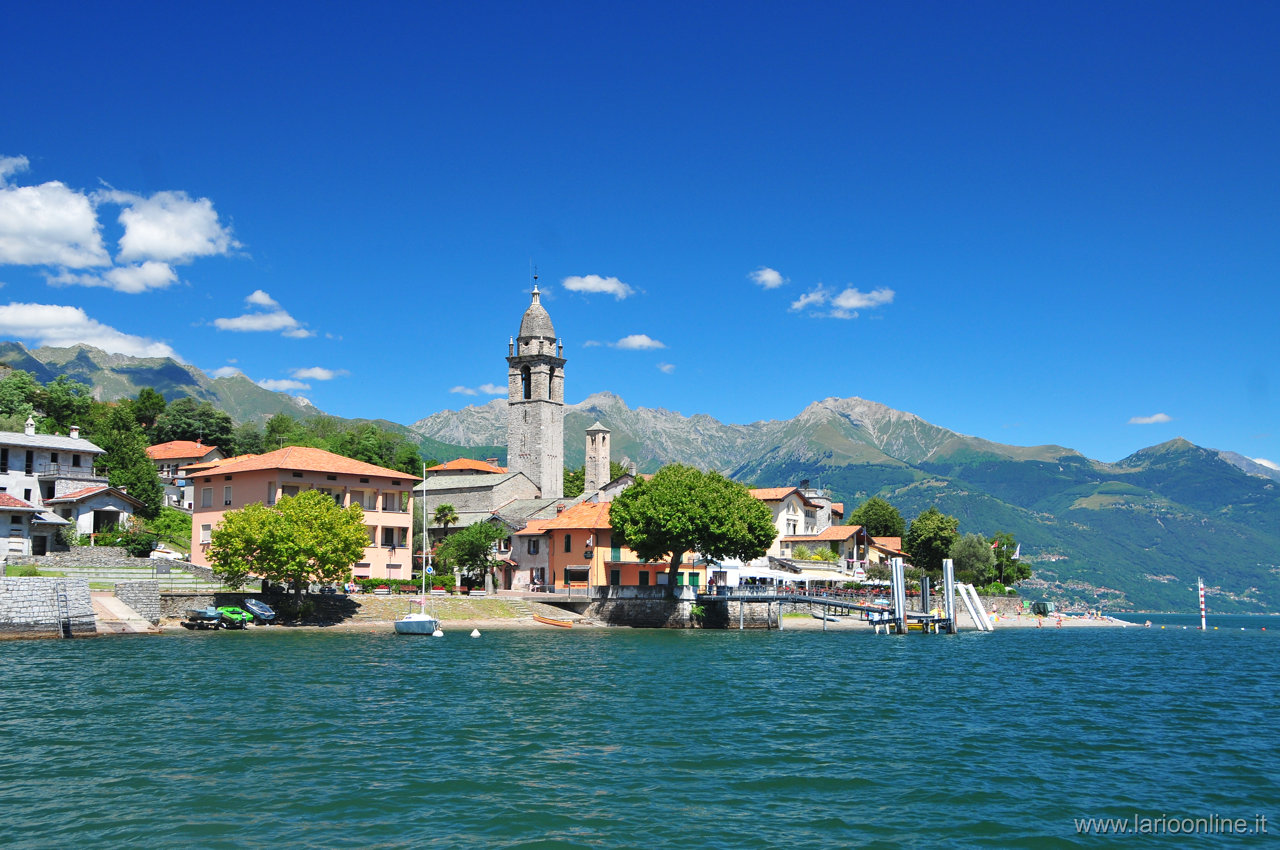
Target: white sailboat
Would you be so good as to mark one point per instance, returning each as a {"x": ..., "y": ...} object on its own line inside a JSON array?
[{"x": 420, "y": 622}]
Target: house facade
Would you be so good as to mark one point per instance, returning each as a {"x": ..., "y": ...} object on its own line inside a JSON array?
[
  {"x": 582, "y": 553},
  {"x": 50, "y": 482},
  {"x": 171, "y": 457},
  {"x": 385, "y": 495}
]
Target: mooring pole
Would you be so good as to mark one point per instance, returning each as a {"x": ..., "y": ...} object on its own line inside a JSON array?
[{"x": 949, "y": 594}]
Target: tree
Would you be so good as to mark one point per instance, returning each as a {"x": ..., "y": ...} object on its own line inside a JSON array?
[
  {"x": 147, "y": 407},
  {"x": 301, "y": 539},
  {"x": 1008, "y": 570},
  {"x": 974, "y": 559},
  {"x": 929, "y": 540},
  {"x": 189, "y": 419},
  {"x": 682, "y": 509},
  {"x": 879, "y": 518},
  {"x": 471, "y": 549},
  {"x": 445, "y": 516},
  {"x": 126, "y": 461},
  {"x": 18, "y": 395},
  {"x": 64, "y": 402}
]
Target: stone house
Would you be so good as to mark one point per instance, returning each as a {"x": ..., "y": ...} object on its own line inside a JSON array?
[{"x": 171, "y": 457}]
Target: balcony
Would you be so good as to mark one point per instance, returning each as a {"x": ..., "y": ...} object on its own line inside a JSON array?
[{"x": 52, "y": 471}]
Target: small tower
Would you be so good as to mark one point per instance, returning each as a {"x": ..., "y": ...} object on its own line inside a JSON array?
[
  {"x": 597, "y": 466},
  {"x": 535, "y": 401}
]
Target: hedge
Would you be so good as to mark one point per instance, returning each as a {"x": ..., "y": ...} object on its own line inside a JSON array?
[{"x": 405, "y": 585}]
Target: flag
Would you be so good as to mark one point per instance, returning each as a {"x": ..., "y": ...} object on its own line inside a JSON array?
[{"x": 1017, "y": 551}]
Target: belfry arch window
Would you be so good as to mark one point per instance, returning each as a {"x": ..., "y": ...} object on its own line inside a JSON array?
[{"x": 527, "y": 382}]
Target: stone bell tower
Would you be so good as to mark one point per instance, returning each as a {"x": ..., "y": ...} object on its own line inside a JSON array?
[
  {"x": 535, "y": 401},
  {"x": 596, "y": 471}
]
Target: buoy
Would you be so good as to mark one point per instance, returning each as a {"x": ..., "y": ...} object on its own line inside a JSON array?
[
  {"x": 475, "y": 633},
  {"x": 438, "y": 633}
]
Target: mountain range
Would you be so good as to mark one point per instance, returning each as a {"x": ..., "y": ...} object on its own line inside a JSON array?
[{"x": 1128, "y": 535}]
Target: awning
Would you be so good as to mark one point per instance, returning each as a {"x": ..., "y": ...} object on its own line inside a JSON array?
[{"x": 822, "y": 575}]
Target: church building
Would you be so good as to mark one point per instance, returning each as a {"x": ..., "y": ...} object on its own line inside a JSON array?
[{"x": 535, "y": 402}]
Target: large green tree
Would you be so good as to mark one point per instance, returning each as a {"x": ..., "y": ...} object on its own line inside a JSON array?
[
  {"x": 65, "y": 402},
  {"x": 19, "y": 393},
  {"x": 126, "y": 461},
  {"x": 189, "y": 419},
  {"x": 929, "y": 539},
  {"x": 879, "y": 518},
  {"x": 974, "y": 559},
  {"x": 471, "y": 549},
  {"x": 682, "y": 509},
  {"x": 301, "y": 539}
]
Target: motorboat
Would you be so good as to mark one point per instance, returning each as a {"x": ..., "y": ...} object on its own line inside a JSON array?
[
  {"x": 261, "y": 611},
  {"x": 233, "y": 617},
  {"x": 203, "y": 618}
]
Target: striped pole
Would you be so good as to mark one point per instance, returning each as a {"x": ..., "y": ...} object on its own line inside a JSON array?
[{"x": 1200, "y": 582}]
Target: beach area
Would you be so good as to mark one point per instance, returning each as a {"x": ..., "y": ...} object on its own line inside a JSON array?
[{"x": 463, "y": 615}]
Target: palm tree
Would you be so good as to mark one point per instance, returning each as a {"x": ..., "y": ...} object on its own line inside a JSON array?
[{"x": 446, "y": 516}]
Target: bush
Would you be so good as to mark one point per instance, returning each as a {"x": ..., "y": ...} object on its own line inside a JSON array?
[{"x": 405, "y": 585}]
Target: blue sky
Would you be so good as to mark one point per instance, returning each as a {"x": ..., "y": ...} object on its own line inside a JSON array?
[{"x": 1033, "y": 223}]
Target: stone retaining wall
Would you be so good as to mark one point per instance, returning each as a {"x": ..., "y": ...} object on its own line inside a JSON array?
[
  {"x": 84, "y": 556},
  {"x": 142, "y": 596},
  {"x": 29, "y": 607}
]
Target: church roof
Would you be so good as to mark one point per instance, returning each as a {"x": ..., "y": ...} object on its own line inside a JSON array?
[{"x": 536, "y": 321}]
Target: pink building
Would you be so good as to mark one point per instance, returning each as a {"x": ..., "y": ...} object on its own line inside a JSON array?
[{"x": 384, "y": 494}]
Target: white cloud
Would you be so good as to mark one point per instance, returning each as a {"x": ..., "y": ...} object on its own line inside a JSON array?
[
  {"x": 59, "y": 326},
  {"x": 596, "y": 284},
  {"x": 258, "y": 298},
  {"x": 282, "y": 385},
  {"x": 666, "y": 368},
  {"x": 273, "y": 319},
  {"x": 843, "y": 305},
  {"x": 767, "y": 277},
  {"x": 592, "y": 343},
  {"x": 225, "y": 372},
  {"x": 1158, "y": 419},
  {"x": 493, "y": 389},
  {"x": 817, "y": 296},
  {"x": 637, "y": 342},
  {"x": 853, "y": 299},
  {"x": 130, "y": 279},
  {"x": 318, "y": 373},
  {"x": 168, "y": 226},
  {"x": 464, "y": 391},
  {"x": 1268, "y": 464},
  {"x": 47, "y": 225},
  {"x": 53, "y": 225}
]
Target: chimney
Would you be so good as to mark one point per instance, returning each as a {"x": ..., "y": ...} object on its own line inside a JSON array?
[
  {"x": 30, "y": 428},
  {"x": 560, "y": 508},
  {"x": 492, "y": 461},
  {"x": 75, "y": 432},
  {"x": 633, "y": 469}
]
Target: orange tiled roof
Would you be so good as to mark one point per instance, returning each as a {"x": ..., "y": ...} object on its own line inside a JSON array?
[
  {"x": 837, "y": 508},
  {"x": 894, "y": 543},
  {"x": 79, "y": 494},
  {"x": 771, "y": 494},
  {"x": 14, "y": 503},
  {"x": 582, "y": 515},
  {"x": 534, "y": 528},
  {"x": 467, "y": 464},
  {"x": 302, "y": 459},
  {"x": 837, "y": 532},
  {"x": 179, "y": 448}
]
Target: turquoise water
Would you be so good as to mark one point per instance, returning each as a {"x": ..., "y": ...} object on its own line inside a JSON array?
[{"x": 622, "y": 738}]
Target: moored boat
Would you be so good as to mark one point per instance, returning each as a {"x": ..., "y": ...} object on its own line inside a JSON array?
[
  {"x": 261, "y": 611},
  {"x": 202, "y": 618},
  {"x": 551, "y": 621},
  {"x": 233, "y": 617},
  {"x": 417, "y": 623}
]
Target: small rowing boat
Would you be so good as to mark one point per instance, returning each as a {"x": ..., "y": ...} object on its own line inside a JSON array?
[{"x": 564, "y": 624}]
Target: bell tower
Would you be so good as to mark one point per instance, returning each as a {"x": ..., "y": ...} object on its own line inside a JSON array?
[
  {"x": 596, "y": 470},
  {"x": 535, "y": 401}
]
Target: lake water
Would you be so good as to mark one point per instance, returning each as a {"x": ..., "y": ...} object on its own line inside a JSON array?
[{"x": 628, "y": 738}]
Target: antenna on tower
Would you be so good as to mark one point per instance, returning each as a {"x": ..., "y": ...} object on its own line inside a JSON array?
[{"x": 535, "y": 278}]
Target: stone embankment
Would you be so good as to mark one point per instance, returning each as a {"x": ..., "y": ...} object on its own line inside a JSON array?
[{"x": 45, "y": 607}]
